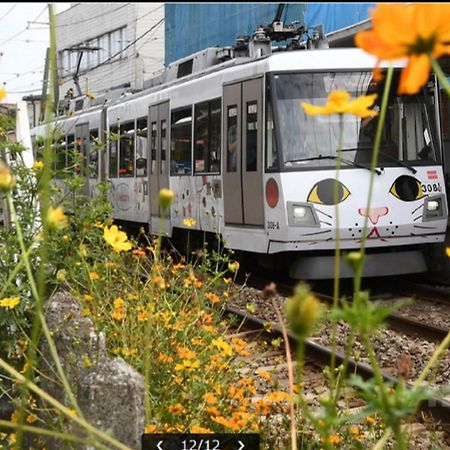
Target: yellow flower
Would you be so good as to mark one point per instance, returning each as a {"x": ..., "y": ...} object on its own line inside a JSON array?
[
  {"x": 117, "y": 239},
  {"x": 417, "y": 31},
  {"x": 234, "y": 266},
  {"x": 166, "y": 197},
  {"x": 150, "y": 428},
  {"x": 334, "y": 439},
  {"x": 38, "y": 165},
  {"x": 31, "y": 418},
  {"x": 277, "y": 396},
  {"x": 223, "y": 346},
  {"x": 118, "y": 303},
  {"x": 7, "y": 180},
  {"x": 187, "y": 365},
  {"x": 9, "y": 302},
  {"x": 213, "y": 298},
  {"x": 189, "y": 222},
  {"x": 264, "y": 374},
  {"x": 209, "y": 398},
  {"x": 176, "y": 409},
  {"x": 370, "y": 420},
  {"x": 56, "y": 218},
  {"x": 196, "y": 429},
  {"x": 185, "y": 353},
  {"x": 2, "y": 93},
  {"x": 339, "y": 103},
  {"x": 118, "y": 314},
  {"x": 447, "y": 251},
  {"x": 94, "y": 276}
]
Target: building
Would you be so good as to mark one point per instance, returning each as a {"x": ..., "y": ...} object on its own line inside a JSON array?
[{"x": 105, "y": 47}]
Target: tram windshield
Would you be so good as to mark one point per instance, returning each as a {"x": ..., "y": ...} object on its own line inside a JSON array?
[{"x": 306, "y": 140}]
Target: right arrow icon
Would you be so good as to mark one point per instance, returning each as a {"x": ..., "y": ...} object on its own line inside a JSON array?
[{"x": 242, "y": 445}]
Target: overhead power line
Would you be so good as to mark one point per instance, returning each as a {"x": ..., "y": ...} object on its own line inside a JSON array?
[
  {"x": 129, "y": 45},
  {"x": 7, "y": 12}
]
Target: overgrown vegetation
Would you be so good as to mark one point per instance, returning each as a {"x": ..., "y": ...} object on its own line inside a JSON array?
[{"x": 163, "y": 315}]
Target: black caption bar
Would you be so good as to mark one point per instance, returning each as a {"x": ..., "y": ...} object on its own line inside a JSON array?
[{"x": 249, "y": 441}]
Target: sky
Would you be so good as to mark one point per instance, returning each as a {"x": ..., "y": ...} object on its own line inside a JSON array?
[{"x": 24, "y": 39}]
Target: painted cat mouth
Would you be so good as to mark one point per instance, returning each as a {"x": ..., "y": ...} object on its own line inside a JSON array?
[{"x": 374, "y": 231}]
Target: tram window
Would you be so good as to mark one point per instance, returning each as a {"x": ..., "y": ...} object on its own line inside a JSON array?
[
  {"x": 60, "y": 154},
  {"x": 232, "y": 138},
  {"x": 252, "y": 136},
  {"x": 181, "y": 142},
  {"x": 93, "y": 154},
  {"x": 153, "y": 148},
  {"x": 271, "y": 146},
  {"x": 70, "y": 150},
  {"x": 163, "y": 146},
  {"x": 141, "y": 147},
  {"x": 207, "y": 137},
  {"x": 126, "y": 150},
  {"x": 113, "y": 151}
]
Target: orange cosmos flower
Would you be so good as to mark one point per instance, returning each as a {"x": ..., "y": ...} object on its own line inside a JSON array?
[
  {"x": 198, "y": 429},
  {"x": 417, "y": 31},
  {"x": 339, "y": 103}
]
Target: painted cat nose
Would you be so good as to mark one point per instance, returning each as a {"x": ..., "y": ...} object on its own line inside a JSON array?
[{"x": 373, "y": 213}]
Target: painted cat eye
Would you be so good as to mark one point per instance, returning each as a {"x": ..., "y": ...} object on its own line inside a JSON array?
[
  {"x": 407, "y": 188},
  {"x": 322, "y": 192}
]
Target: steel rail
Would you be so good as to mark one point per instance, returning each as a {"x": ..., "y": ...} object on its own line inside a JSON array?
[{"x": 437, "y": 408}]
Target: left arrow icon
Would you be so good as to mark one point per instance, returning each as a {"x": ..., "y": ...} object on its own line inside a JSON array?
[{"x": 159, "y": 445}]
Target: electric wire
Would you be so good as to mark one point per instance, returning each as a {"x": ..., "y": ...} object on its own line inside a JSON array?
[{"x": 7, "y": 12}]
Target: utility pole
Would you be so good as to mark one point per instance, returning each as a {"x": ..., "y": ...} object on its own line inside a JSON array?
[{"x": 45, "y": 87}]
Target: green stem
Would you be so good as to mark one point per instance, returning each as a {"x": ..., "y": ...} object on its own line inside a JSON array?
[
  {"x": 67, "y": 412},
  {"x": 440, "y": 75},
  {"x": 337, "y": 254},
  {"x": 376, "y": 151},
  {"x": 436, "y": 355},
  {"x": 376, "y": 370},
  {"x": 54, "y": 434}
]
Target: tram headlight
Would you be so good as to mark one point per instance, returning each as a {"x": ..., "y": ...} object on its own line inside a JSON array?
[
  {"x": 434, "y": 208},
  {"x": 301, "y": 215}
]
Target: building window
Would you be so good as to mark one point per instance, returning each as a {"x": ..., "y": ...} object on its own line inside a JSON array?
[
  {"x": 207, "y": 137},
  {"x": 181, "y": 142},
  {"x": 109, "y": 44}
]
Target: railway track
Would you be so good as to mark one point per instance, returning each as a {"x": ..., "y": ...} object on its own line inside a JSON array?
[{"x": 438, "y": 409}]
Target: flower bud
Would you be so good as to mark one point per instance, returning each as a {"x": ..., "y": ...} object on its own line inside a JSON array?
[
  {"x": 303, "y": 310},
  {"x": 354, "y": 259},
  {"x": 7, "y": 180},
  {"x": 166, "y": 197}
]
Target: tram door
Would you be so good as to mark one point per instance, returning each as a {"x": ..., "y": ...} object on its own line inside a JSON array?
[
  {"x": 242, "y": 153},
  {"x": 158, "y": 161},
  {"x": 82, "y": 141}
]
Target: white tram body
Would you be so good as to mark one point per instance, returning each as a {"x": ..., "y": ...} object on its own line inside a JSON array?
[{"x": 245, "y": 162}]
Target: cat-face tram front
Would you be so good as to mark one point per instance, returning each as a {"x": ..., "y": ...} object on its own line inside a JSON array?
[{"x": 309, "y": 204}]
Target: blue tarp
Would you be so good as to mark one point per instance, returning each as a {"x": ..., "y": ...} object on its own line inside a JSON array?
[{"x": 191, "y": 27}]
